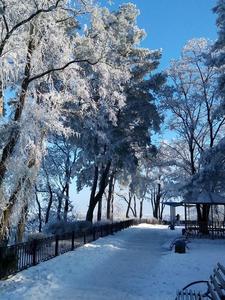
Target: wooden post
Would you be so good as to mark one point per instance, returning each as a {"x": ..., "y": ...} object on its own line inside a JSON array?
[
  {"x": 172, "y": 214},
  {"x": 185, "y": 216},
  {"x": 212, "y": 221}
]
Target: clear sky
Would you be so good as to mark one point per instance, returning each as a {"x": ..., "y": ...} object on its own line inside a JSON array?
[{"x": 169, "y": 24}]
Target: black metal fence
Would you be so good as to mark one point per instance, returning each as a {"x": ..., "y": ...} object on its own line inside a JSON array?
[
  {"x": 21, "y": 256},
  {"x": 215, "y": 229}
]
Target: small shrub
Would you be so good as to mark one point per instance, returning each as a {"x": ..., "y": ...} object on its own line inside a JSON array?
[
  {"x": 4, "y": 242},
  {"x": 61, "y": 227},
  {"x": 103, "y": 222},
  {"x": 83, "y": 226},
  {"x": 38, "y": 238}
]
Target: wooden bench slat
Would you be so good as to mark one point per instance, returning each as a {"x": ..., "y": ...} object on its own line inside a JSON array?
[
  {"x": 179, "y": 295},
  {"x": 216, "y": 286},
  {"x": 219, "y": 278},
  {"x": 222, "y": 268},
  {"x": 188, "y": 295},
  {"x": 192, "y": 295},
  {"x": 212, "y": 293}
]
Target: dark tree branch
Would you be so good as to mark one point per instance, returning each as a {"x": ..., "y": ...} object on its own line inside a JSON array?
[
  {"x": 6, "y": 24},
  {"x": 62, "y": 68}
]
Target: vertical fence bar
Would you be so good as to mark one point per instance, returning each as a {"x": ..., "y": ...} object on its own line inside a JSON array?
[
  {"x": 111, "y": 229},
  {"x": 108, "y": 231},
  {"x": 84, "y": 237},
  {"x": 101, "y": 231},
  {"x": 2, "y": 252},
  {"x": 73, "y": 237},
  {"x": 56, "y": 245},
  {"x": 34, "y": 252}
]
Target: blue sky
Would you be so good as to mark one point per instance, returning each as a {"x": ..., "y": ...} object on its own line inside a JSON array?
[{"x": 169, "y": 24}]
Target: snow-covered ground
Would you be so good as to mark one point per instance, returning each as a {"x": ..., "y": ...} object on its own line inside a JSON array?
[{"x": 133, "y": 264}]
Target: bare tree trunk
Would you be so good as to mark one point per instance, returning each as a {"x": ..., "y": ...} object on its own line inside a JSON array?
[
  {"x": 66, "y": 207},
  {"x": 7, "y": 212},
  {"x": 60, "y": 201},
  {"x": 92, "y": 196},
  {"x": 49, "y": 205},
  {"x": 95, "y": 198},
  {"x": 99, "y": 214},
  {"x": 110, "y": 196},
  {"x": 39, "y": 210},
  {"x": 10, "y": 145},
  {"x": 21, "y": 225},
  {"x": 67, "y": 186},
  {"x": 128, "y": 205},
  {"x": 191, "y": 150},
  {"x": 135, "y": 207},
  {"x": 156, "y": 201},
  {"x": 14, "y": 136},
  {"x": 59, "y": 208},
  {"x": 161, "y": 211},
  {"x": 203, "y": 217},
  {"x": 1, "y": 99},
  {"x": 47, "y": 214},
  {"x": 141, "y": 209},
  {"x": 112, "y": 199}
]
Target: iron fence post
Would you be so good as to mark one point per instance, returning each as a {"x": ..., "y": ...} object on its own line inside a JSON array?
[
  {"x": 101, "y": 231},
  {"x": 56, "y": 245},
  {"x": 111, "y": 228},
  {"x": 73, "y": 237},
  {"x": 1, "y": 259},
  {"x": 34, "y": 252}
]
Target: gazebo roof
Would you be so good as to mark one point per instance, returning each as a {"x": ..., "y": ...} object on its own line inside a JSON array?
[
  {"x": 204, "y": 197},
  {"x": 173, "y": 203}
]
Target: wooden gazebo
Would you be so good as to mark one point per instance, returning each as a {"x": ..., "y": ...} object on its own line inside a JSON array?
[{"x": 215, "y": 222}]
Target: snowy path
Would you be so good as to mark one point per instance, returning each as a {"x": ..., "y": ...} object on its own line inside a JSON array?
[
  {"x": 133, "y": 264},
  {"x": 115, "y": 267}
]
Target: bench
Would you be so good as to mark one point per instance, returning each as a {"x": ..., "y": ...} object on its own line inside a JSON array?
[{"x": 215, "y": 287}]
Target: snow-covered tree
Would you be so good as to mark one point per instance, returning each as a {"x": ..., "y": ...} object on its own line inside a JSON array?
[
  {"x": 120, "y": 131},
  {"x": 210, "y": 176},
  {"x": 89, "y": 83},
  {"x": 39, "y": 63},
  {"x": 193, "y": 103},
  {"x": 219, "y": 46},
  {"x": 55, "y": 177}
]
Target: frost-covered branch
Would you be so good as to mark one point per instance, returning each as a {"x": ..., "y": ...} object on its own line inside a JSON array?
[{"x": 23, "y": 22}]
